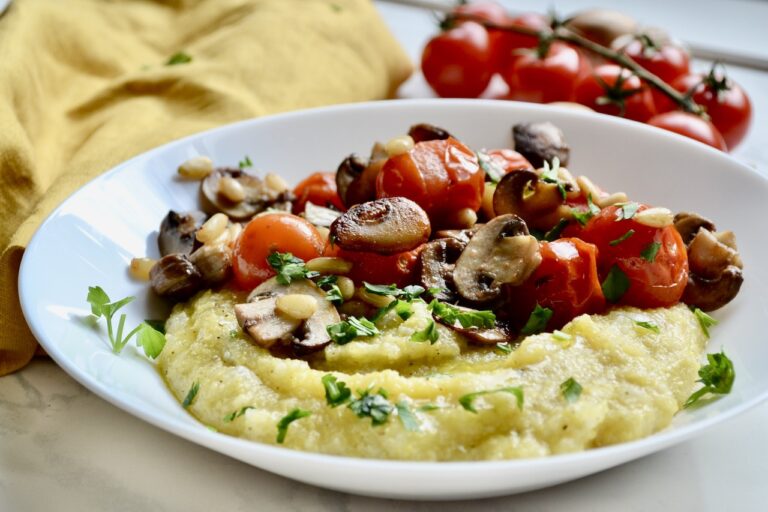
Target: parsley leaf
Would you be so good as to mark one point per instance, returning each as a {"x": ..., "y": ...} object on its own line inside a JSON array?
[
  {"x": 484, "y": 319},
  {"x": 407, "y": 418},
  {"x": 493, "y": 170},
  {"x": 554, "y": 233},
  {"x": 403, "y": 309},
  {"x": 376, "y": 407},
  {"x": 538, "y": 320},
  {"x": 236, "y": 414},
  {"x": 191, "y": 394},
  {"x": 717, "y": 376},
  {"x": 150, "y": 339},
  {"x": 347, "y": 330},
  {"x": 282, "y": 425},
  {"x": 571, "y": 390},
  {"x": 615, "y": 285},
  {"x": 289, "y": 267},
  {"x": 648, "y": 325},
  {"x": 334, "y": 295},
  {"x": 429, "y": 333},
  {"x": 408, "y": 293},
  {"x": 336, "y": 392},
  {"x": 550, "y": 174},
  {"x": 158, "y": 325},
  {"x": 623, "y": 237},
  {"x": 467, "y": 400},
  {"x": 626, "y": 211},
  {"x": 178, "y": 58},
  {"x": 650, "y": 251},
  {"x": 705, "y": 321},
  {"x": 326, "y": 280},
  {"x": 504, "y": 347},
  {"x": 245, "y": 162}
]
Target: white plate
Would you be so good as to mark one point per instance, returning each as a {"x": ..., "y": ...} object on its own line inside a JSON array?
[{"x": 92, "y": 236}]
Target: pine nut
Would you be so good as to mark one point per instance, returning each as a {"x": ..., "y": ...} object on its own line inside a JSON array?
[
  {"x": 487, "y": 206},
  {"x": 196, "y": 168},
  {"x": 140, "y": 268},
  {"x": 588, "y": 189},
  {"x": 324, "y": 232},
  {"x": 615, "y": 198},
  {"x": 276, "y": 182},
  {"x": 374, "y": 300},
  {"x": 329, "y": 265},
  {"x": 655, "y": 217},
  {"x": 230, "y": 188},
  {"x": 296, "y": 305},
  {"x": 465, "y": 218},
  {"x": 212, "y": 228},
  {"x": 399, "y": 145},
  {"x": 346, "y": 286}
]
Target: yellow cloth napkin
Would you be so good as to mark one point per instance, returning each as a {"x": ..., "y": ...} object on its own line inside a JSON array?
[{"x": 84, "y": 85}]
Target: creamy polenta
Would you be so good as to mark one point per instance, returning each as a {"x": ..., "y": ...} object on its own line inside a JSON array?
[{"x": 633, "y": 380}]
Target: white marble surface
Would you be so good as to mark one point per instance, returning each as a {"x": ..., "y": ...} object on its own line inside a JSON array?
[{"x": 63, "y": 448}]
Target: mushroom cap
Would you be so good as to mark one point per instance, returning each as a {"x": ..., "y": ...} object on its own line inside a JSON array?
[
  {"x": 712, "y": 294},
  {"x": 525, "y": 194},
  {"x": 257, "y": 195},
  {"x": 688, "y": 224},
  {"x": 174, "y": 276},
  {"x": 438, "y": 260},
  {"x": 423, "y": 132},
  {"x": 540, "y": 142},
  {"x": 501, "y": 252},
  {"x": 386, "y": 226},
  {"x": 177, "y": 232}
]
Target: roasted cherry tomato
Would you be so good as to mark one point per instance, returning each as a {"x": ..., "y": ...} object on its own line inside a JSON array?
[
  {"x": 665, "y": 60},
  {"x": 459, "y": 62},
  {"x": 690, "y": 125},
  {"x": 442, "y": 176},
  {"x": 566, "y": 282},
  {"x": 653, "y": 260},
  {"x": 268, "y": 233},
  {"x": 318, "y": 188},
  {"x": 726, "y": 103},
  {"x": 543, "y": 78},
  {"x": 400, "y": 268},
  {"x": 611, "y": 89},
  {"x": 493, "y": 13},
  {"x": 509, "y": 160}
]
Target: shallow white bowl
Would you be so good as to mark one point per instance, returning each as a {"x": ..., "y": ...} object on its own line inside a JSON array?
[{"x": 91, "y": 237}]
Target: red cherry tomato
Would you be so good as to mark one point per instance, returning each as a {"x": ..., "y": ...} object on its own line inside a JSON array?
[
  {"x": 691, "y": 126},
  {"x": 399, "y": 268},
  {"x": 566, "y": 282},
  {"x": 459, "y": 62},
  {"x": 726, "y": 103},
  {"x": 318, "y": 188},
  {"x": 654, "y": 260},
  {"x": 666, "y": 60},
  {"x": 268, "y": 233},
  {"x": 511, "y": 42},
  {"x": 509, "y": 160},
  {"x": 491, "y": 12},
  {"x": 613, "y": 90},
  {"x": 442, "y": 176},
  {"x": 543, "y": 80}
]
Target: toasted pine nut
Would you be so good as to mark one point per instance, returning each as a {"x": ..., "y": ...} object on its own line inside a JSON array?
[
  {"x": 140, "y": 268},
  {"x": 615, "y": 198},
  {"x": 465, "y": 218},
  {"x": 276, "y": 182},
  {"x": 487, "y": 206},
  {"x": 296, "y": 305},
  {"x": 588, "y": 189},
  {"x": 230, "y": 188},
  {"x": 657, "y": 217},
  {"x": 324, "y": 232},
  {"x": 329, "y": 265},
  {"x": 399, "y": 145},
  {"x": 212, "y": 228},
  {"x": 196, "y": 168},
  {"x": 374, "y": 300},
  {"x": 346, "y": 286}
]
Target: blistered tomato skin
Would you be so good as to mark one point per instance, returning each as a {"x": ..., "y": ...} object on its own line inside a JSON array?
[
  {"x": 441, "y": 176},
  {"x": 657, "y": 278},
  {"x": 268, "y": 233},
  {"x": 400, "y": 268},
  {"x": 318, "y": 188}
]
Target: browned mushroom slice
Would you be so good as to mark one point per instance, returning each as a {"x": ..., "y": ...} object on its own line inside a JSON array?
[
  {"x": 438, "y": 260},
  {"x": 253, "y": 195},
  {"x": 501, "y": 252},
  {"x": 214, "y": 262},
  {"x": 715, "y": 267},
  {"x": 525, "y": 194},
  {"x": 175, "y": 277},
  {"x": 385, "y": 226},
  {"x": 540, "y": 142},
  {"x": 423, "y": 132},
  {"x": 177, "y": 232},
  {"x": 712, "y": 294},
  {"x": 263, "y": 324},
  {"x": 462, "y": 235},
  {"x": 350, "y": 170},
  {"x": 688, "y": 225},
  {"x": 479, "y": 335}
]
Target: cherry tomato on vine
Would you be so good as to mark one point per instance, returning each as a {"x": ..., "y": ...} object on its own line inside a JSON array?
[
  {"x": 611, "y": 89},
  {"x": 691, "y": 126},
  {"x": 442, "y": 176},
  {"x": 726, "y": 103},
  {"x": 666, "y": 60},
  {"x": 543, "y": 78},
  {"x": 318, "y": 188},
  {"x": 566, "y": 282},
  {"x": 652, "y": 262},
  {"x": 268, "y": 233},
  {"x": 399, "y": 268},
  {"x": 491, "y": 12},
  {"x": 512, "y": 42},
  {"x": 459, "y": 62}
]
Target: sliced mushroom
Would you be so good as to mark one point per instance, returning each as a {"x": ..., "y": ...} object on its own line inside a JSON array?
[
  {"x": 175, "y": 277},
  {"x": 538, "y": 203},
  {"x": 214, "y": 262},
  {"x": 712, "y": 294},
  {"x": 385, "y": 226},
  {"x": 256, "y": 195},
  {"x": 462, "y": 235},
  {"x": 540, "y": 142},
  {"x": 423, "y": 132},
  {"x": 501, "y": 252},
  {"x": 350, "y": 170},
  {"x": 483, "y": 336},
  {"x": 438, "y": 260},
  {"x": 261, "y": 320},
  {"x": 177, "y": 232},
  {"x": 688, "y": 225},
  {"x": 320, "y": 215}
]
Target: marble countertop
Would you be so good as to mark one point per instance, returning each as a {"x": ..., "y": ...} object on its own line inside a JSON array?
[{"x": 62, "y": 447}]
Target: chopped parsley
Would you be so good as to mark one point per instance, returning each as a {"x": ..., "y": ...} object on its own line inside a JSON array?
[
  {"x": 650, "y": 251},
  {"x": 191, "y": 394},
  {"x": 550, "y": 174},
  {"x": 408, "y": 293},
  {"x": 233, "y": 333},
  {"x": 375, "y": 406},
  {"x": 236, "y": 414},
  {"x": 484, "y": 319},
  {"x": 504, "y": 347},
  {"x": 717, "y": 376},
  {"x": 429, "y": 407},
  {"x": 336, "y": 392},
  {"x": 554, "y": 233},
  {"x": 467, "y": 400},
  {"x": 282, "y": 425},
  {"x": 245, "y": 162},
  {"x": 158, "y": 325},
  {"x": 571, "y": 390},
  {"x": 615, "y": 285},
  {"x": 538, "y": 320},
  {"x": 705, "y": 320},
  {"x": 334, "y": 295},
  {"x": 493, "y": 170},
  {"x": 178, "y": 58},
  {"x": 583, "y": 216},
  {"x": 648, "y": 325},
  {"x": 347, "y": 330},
  {"x": 626, "y": 211},
  {"x": 623, "y": 237},
  {"x": 326, "y": 280},
  {"x": 289, "y": 268},
  {"x": 429, "y": 333},
  {"x": 407, "y": 417}
]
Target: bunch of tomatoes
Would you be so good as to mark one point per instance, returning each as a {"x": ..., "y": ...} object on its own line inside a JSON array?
[{"x": 461, "y": 60}]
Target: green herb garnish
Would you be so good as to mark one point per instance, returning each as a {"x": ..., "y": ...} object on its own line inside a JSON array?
[
  {"x": 407, "y": 417},
  {"x": 615, "y": 285},
  {"x": 648, "y": 325},
  {"x": 191, "y": 394},
  {"x": 375, "y": 406},
  {"x": 336, "y": 392},
  {"x": 347, "y": 330},
  {"x": 178, "y": 58},
  {"x": 717, "y": 376},
  {"x": 504, "y": 347},
  {"x": 429, "y": 333},
  {"x": 650, "y": 251},
  {"x": 158, "y": 325},
  {"x": 408, "y": 293},
  {"x": 571, "y": 390},
  {"x": 583, "y": 216},
  {"x": 282, "y": 425},
  {"x": 554, "y": 233},
  {"x": 245, "y": 162},
  {"x": 466, "y": 401},
  {"x": 550, "y": 175},
  {"x": 334, "y": 295},
  {"x": 626, "y": 211},
  {"x": 705, "y": 321},
  {"x": 236, "y": 414},
  {"x": 429, "y": 407},
  {"x": 623, "y": 237},
  {"x": 538, "y": 320},
  {"x": 493, "y": 170},
  {"x": 289, "y": 268},
  {"x": 484, "y": 319}
]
